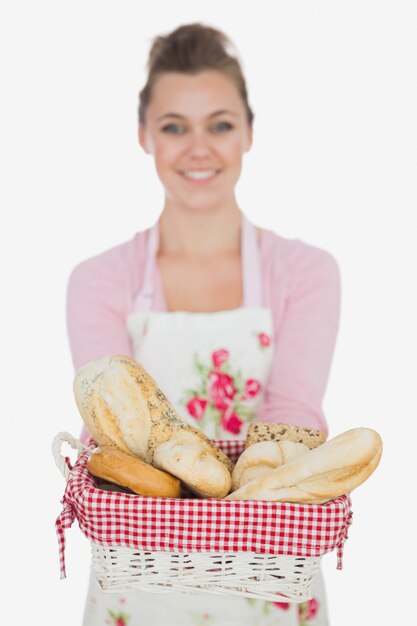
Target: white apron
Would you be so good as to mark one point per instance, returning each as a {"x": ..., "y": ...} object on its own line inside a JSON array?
[{"x": 213, "y": 367}]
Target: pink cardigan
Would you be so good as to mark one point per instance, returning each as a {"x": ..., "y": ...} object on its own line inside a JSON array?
[{"x": 301, "y": 284}]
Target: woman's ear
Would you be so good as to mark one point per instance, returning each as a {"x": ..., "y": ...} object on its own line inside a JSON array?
[
  {"x": 249, "y": 138},
  {"x": 143, "y": 140}
]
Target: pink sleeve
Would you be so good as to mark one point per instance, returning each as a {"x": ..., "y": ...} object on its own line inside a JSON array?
[
  {"x": 305, "y": 334},
  {"x": 99, "y": 298},
  {"x": 95, "y": 318}
]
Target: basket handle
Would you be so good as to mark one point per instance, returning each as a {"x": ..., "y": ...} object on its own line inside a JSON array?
[{"x": 62, "y": 462}]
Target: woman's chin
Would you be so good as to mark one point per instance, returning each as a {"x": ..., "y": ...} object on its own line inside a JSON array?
[{"x": 201, "y": 204}]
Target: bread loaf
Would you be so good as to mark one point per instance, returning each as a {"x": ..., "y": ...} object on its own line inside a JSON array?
[
  {"x": 336, "y": 467},
  {"x": 122, "y": 405},
  {"x": 120, "y": 468},
  {"x": 194, "y": 464},
  {"x": 258, "y": 460},
  {"x": 269, "y": 431}
]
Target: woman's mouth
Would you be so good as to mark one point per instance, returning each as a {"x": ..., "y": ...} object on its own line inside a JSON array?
[{"x": 199, "y": 177}]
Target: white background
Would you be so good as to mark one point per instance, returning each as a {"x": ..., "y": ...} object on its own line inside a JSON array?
[{"x": 334, "y": 90}]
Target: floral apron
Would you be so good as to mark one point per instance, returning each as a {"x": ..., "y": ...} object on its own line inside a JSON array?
[{"x": 213, "y": 368}]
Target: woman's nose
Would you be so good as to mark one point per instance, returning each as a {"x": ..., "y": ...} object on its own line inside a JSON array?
[{"x": 199, "y": 144}]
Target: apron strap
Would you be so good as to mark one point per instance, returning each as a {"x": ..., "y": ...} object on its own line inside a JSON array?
[
  {"x": 251, "y": 268},
  {"x": 145, "y": 297}
]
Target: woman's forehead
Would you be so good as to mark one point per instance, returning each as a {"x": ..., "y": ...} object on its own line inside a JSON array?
[{"x": 206, "y": 94}]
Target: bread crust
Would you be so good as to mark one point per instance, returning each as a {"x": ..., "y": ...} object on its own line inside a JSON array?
[
  {"x": 120, "y": 468},
  {"x": 122, "y": 405},
  {"x": 270, "y": 431},
  {"x": 194, "y": 465},
  {"x": 336, "y": 467},
  {"x": 258, "y": 459}
]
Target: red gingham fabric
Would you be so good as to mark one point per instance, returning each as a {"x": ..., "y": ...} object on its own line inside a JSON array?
[{"x": 112, "y": 518}]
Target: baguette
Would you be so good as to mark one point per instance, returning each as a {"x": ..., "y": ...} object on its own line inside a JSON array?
[
  {"x": 122, "y": 406},
  {"x": 334, "y": 468}
]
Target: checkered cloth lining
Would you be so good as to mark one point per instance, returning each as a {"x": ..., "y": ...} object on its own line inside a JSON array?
[{"x": 112, "y": 518}]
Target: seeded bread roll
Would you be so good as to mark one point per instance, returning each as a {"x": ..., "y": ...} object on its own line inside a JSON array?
[
  {"x": 336, "y": 467},
  {"x": 122, "y": 405},
  {"x": 120, "y": 468},
  {"x": 261, "y": 457},
  {"x": 268, "y": 431}
]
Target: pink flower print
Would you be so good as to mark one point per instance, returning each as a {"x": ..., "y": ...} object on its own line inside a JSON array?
[
  {"x": 264, "y": 340},
  {"x": 221, "y": 389},
  {"x": 118, "y": 619},
  {"x": 251, "y": 389},
  {"x": 231, "y": 422},
  {"x": 308, "y": 610},
  {"x": 282, "y": 605},
  {"x": 219, "y": 357},
  {"x": 196, "y": 407}
]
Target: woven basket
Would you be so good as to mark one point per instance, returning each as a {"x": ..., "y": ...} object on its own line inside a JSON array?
[{"x": 184, "y": 563}]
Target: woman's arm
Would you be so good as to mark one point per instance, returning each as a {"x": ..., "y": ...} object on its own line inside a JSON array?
[
  {"x": 100, "y": 296},
  {"x": 305, "y": 335},
  {"x": 96, "y": 314}
]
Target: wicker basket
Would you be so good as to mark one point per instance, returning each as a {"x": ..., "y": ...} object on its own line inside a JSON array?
[{"x": 184, "y": 563}]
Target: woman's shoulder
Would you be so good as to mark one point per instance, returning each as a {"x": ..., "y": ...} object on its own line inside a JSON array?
[
  {"x": 294, "y": 255},
  {"x": 120, "y": 263}
]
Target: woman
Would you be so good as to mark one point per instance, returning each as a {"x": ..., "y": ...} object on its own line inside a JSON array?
[{"x": 233, "y": 322}]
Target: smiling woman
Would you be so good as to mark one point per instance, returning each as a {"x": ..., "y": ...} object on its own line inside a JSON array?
[
  {"x": 196, "y": 129},
  {"x": 234, "y": 323}
]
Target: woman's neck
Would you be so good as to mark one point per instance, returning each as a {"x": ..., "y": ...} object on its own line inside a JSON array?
[{"x": 199, "y": 233}]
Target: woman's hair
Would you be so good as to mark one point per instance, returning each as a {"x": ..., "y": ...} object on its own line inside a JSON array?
[{"x": 190, "y": 49}]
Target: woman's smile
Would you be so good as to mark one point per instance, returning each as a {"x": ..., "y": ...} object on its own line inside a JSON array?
[
  {"x": 200, "y": 177},
  {"x": 197, "y": 131}
]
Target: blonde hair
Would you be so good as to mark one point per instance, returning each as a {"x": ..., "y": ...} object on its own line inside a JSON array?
[{"x": 191, "y": 49}]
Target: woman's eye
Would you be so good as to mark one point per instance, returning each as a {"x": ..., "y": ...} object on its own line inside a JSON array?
[
  {"x": 177, "y": 129},
  {"x": 173, "y": 129},
  {"x": 222, "y": 126}
]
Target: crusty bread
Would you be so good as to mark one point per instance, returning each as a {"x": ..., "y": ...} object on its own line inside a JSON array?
[
  {"x": 336, "y": 467},
  {"x": 122, "y": 405},
  {"x": 269, "y": 431},
  {"x": 120, "y": 468},
  {"x": 258, "y": 460},
  {"x": 194, "y": 464}
]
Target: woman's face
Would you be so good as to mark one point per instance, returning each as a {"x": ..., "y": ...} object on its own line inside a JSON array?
[{"x": 197, "y": 131}]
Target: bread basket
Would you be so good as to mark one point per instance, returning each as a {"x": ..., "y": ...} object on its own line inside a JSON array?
[{"x": 257, "y": 549}]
